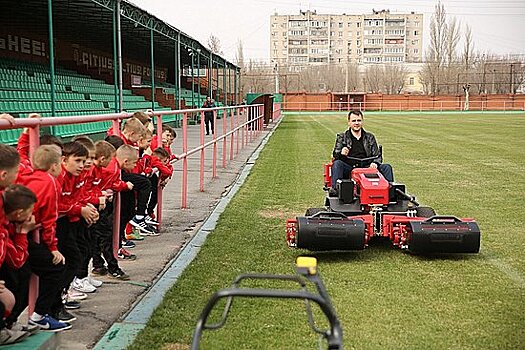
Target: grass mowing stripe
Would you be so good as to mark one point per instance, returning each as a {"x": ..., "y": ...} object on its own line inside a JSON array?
[{"x": 385, "y": 298}]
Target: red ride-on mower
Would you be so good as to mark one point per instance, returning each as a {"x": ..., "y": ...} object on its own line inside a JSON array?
[{"x": 367, "y": 206}]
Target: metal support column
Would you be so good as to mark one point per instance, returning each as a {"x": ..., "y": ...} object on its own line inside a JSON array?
[
  {"x": 119, "y": 59},
  {"x": 177, "y": 73},
  {"x": 115, "y": 60},
  {"x": 235, "y": 86},
  {"x": 210, "y": 75},
  {"x": 51, "y": 57},
  {"x": 199, "y": 77},
  {"x": 152, "y": 70},
  {"x": 224, "y": 84},
  {"x": 192, "y": 77}
]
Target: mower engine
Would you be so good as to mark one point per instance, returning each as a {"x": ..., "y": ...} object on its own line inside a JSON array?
[{"x": 367, "y": 206}]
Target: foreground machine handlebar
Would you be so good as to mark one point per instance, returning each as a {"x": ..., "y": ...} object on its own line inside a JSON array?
[{"x": 306, "y": 268}]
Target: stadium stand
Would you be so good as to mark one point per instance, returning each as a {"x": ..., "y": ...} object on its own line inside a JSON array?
[{"x": 25, "y": 88}]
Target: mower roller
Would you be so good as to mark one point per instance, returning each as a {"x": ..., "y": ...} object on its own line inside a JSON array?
[{"x": 367, "y": 206}]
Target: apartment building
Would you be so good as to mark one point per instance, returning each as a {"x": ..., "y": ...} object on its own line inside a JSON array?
[{"x": 379, "y": 37}]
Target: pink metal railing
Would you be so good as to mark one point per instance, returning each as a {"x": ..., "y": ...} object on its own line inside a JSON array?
[{"x": 246, "y": 127}]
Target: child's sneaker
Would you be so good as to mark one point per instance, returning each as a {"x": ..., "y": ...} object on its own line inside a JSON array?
[
  {"x": 75, "y": 295},
  {"x": 82, "y": 285},
  {"x": 152, "y": 231},
  {"x": 151, "y": 221},
  {"x": 141, "y": 225},
  {"x": 64, "y": 316},
  {"x": 128, "y": 244},
  {"x": 125, "y": 255},
  {"x": 120, "y": 275},
  {"x": 99, "y": 271},
  {"x": 71, "y": 304},
  {"x": 48, "y": 323},
  {"x": 134, "y": 236},
  {"x": 94, "y": 282}
]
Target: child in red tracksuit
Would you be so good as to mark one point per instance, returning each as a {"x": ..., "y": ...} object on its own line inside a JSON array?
[
  {"x": 134, "y": 204},
  {"x": 74, "y": 213},
  {"x": 158, "y": 169},
  {"x": 125, "y": 160},
  {"x": 16, "y": 220},
  {"x": 44, "y": 258},
  {"x": 168, "y": 136},
  {"x": 107, "y": 180},
  {"x": 90, "y": 194}
]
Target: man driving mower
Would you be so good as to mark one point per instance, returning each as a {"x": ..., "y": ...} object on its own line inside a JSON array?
[{"x": 356, "y": 143}]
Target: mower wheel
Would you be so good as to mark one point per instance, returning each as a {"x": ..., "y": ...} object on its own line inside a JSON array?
[
  {"x": 313, "y": 211},
  {"x": 425, "y": 212}
]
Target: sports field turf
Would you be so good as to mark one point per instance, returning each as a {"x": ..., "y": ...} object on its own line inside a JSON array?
[{"x": 468, "y": 165}]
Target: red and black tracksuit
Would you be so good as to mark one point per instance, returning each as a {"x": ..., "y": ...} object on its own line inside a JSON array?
[
  {"x": 13, "y": 255},
  {"x": 47, "y": 191},
  {"x": 102, "y": 231},
  {"x": 71, "y": 227}
]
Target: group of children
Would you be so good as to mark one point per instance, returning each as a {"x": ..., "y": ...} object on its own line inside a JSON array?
[{"x": 56, "y": 215}]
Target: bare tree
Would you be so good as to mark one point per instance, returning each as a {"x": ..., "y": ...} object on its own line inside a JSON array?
[
  {"x": 451, "y": 68},
  {"x": 374, "y": 78},
  {"x": 239, "y": 59},
  {"x": 432, "y": 74},
  {"x": 394, "y": 78},
  {"x": 214, "y": 44}
]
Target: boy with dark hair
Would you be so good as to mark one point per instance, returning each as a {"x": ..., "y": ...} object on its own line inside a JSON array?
[
  {"x": 114, "y": 140},
  {"x": 74, "y": 214},
  {"x": 92, "y": 195}
]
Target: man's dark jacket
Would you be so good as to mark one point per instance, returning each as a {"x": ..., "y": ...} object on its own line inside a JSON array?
[{"x": 369, "y": 144}]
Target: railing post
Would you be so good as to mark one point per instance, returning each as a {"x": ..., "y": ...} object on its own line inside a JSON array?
[
  {"x": 243, "y": 129},
  {"x": 224, "y": 122},
  {"x": 232, "y": 135},
  {"x": 34, "y": 140},
  {"x": 237, "y": 129},
  {"x": 214, "y": 166},
  {"x": 201, "y": 171},
  {"x": 184, "y": 161},
  {"x": 159, "y": 188}
]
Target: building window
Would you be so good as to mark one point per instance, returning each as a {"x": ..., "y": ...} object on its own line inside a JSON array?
[
  {"x": 358, "y": 25},
  {"x": 416, "y": 32},
  {"x": 340, "y": 24},
  {"x": 411, "y": 81}
]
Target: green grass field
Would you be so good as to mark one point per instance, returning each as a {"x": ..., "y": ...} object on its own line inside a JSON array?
[{"x": 470, "y": 165}]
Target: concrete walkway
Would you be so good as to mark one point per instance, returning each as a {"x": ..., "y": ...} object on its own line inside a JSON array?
[{"x": 113, "y": 301}]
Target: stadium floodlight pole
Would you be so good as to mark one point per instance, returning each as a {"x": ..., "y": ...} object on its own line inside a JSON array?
[
  {"x": 119, "y": 58},
  {"x": 51, "y": 58},
  {"x": 152, "y": 70}
]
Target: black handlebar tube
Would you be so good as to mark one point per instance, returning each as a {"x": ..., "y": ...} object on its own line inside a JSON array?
[{"x": 334, "y": 336}]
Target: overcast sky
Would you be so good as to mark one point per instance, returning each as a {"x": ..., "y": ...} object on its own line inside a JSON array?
[{"x": 498, "y": 26}]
